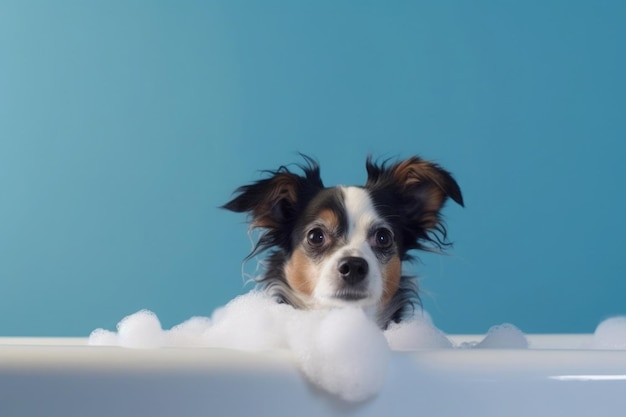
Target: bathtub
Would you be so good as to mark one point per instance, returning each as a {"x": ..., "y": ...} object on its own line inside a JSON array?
[{"x": 557, "y": 376}]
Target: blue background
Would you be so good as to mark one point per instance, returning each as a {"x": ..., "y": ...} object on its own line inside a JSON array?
[{"x": 125, "y": 124}]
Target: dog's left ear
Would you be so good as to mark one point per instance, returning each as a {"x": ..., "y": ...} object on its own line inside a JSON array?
[
  {"x": 272, "y": 202},
  {"x": 423, "y": 186}
]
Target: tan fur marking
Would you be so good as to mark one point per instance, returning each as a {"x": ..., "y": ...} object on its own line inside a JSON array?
[
  {"x": 300, "y": 272},
  {"x": 264, "y": 222},
  {"x": 284, "y": 188},
  {"x": 391, "y": 278},
  {"x": 410, "y": 171},
  {"x": 416, "y": 171},
  {"x": 330, "y": 219},
  {"x": 433, "y": 201}
]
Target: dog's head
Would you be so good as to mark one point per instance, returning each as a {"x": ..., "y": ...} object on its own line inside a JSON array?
[{"x": 346, "y": 245}]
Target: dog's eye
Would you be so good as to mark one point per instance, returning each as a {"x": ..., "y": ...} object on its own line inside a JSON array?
[
  {"x": 383, "y": 238},
  {"x": 316, "y": 237}
]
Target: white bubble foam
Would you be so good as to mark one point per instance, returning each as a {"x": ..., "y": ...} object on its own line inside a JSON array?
[
  {"x": 101, "y": 337},
  {"x": 416, "y": 334},
  {"x": 610, "y": 334},
  {"x": 191, "y": 332},
  {"x": 341, "y": 350},
  {"x": 503, "y": 336},
  {"x": 252, "y": 321},
  {"x": 141, "y": 330}
]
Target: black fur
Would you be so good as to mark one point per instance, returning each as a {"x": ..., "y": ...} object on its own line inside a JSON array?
[
  {"x": 272, "y": 205},
  {"x": 404, "y": 205}
]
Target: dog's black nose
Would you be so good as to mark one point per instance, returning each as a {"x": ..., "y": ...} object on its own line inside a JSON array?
[{"x": 353, "y": 269}]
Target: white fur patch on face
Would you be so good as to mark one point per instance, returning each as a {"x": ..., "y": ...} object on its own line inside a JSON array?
[
  {"x": 361, "y": 216},
  {"x": 360, "y": 211}
]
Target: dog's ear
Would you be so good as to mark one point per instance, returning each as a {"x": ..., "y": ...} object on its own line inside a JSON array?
[
  {"x": 273, "y": 202},
  {"x": 423, "y": 187}
]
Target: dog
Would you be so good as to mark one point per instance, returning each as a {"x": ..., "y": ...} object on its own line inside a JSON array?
[{"x": 345, "y": 245}]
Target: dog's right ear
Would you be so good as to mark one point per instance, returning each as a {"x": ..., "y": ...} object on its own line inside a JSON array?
[{"x": 274, "y": 202}]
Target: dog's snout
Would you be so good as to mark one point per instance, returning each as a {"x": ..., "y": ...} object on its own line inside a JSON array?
[{"x": 353, "y": 269}]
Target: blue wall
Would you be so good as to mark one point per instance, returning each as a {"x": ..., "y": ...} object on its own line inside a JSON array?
[{"x": 124, "y": 124}]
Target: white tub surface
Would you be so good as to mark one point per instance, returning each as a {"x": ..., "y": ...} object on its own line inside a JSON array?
[{"x": 558, "y": 376}]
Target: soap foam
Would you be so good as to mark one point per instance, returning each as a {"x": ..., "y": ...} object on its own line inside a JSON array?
[
  {"x": 610, "y": 334},
  {"x": 504, "y": 336},
  {"x": 141, "y": 330},
  {"x": 340, "y": 350},
  {"x": 343, "y": 352},
  {"x": 415, "y": 334}
]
